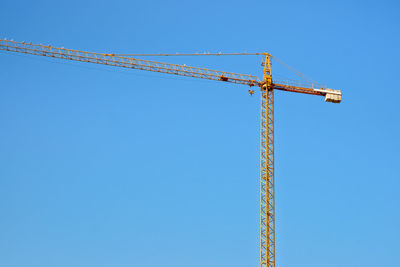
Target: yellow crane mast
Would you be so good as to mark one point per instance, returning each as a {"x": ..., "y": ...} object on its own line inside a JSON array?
[{"x": 267, "y": 87}]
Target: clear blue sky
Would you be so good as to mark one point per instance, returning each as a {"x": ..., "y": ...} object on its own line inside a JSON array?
[{"x": 101, "y": 166}]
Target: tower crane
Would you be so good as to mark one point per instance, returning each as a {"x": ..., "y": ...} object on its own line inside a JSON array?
[{"x": 267, "y": 87}]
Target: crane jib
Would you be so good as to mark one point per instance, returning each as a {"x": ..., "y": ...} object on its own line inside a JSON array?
[{"x": 127, "y": 62}]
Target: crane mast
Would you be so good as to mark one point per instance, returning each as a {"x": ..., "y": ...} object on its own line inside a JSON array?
[
  {"x": 267, "y": 188},
  {"x": 267, "y": 87}
]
